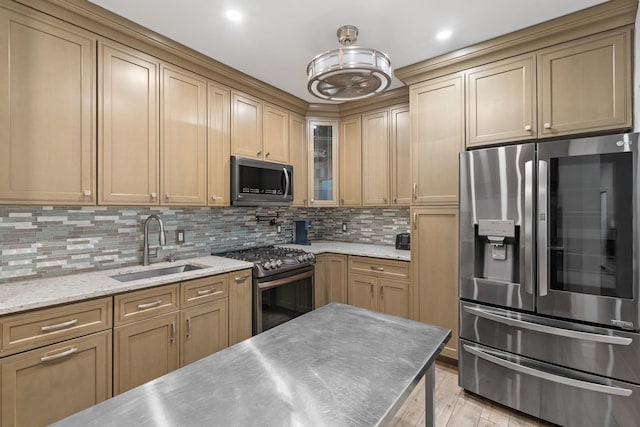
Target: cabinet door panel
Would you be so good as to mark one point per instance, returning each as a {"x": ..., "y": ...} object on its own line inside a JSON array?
[
  {"x": 375, "y": 158},
  {"x": 47, "y": 112},
  {"x": 434, "y": 260},
  {"x": 437, "y": 136},
  {"x": 144, "y": 351},
  {"x": 363, "y": 292},
  {"x": 336, "y": 278},
  {"x": 501, "y": 102},
  {"x": 47, "y": 384},
  {"x": 240, "y": 306},
  {"x": 128, "y": 142},
  {"x": 298, "y": 158},
  {"x": 400, "y": 157},
  {"x": 585, "y": 85},
  {"x": 204, "y": 331},
  {"x": 322, "y": 163},
  {"x": 320, "y": 281},
  {"x": 275, "y": 134},
  {"x": 350, "y": 160},
  {"x": 183, "y": 134},
  {"x": 218, "y": 145},
  {"x": 246, "y": 126},
  {"x": 394, "y": 298}
]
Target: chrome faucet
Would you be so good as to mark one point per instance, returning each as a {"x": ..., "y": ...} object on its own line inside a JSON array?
[{"x": 145, "y": 247}]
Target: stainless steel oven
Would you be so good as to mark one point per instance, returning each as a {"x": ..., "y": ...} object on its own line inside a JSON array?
[
  {"x": 282, "y": 297},
  {"x": 549, "y": 289},
  {"x": 283, "y": 286}
]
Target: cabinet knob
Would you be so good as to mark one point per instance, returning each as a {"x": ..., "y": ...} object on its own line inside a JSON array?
[
  {"x": 167, "y": 196},
  {"x": 86, "y": 193},
  {"x": 268, "y": 154},
  {"x": 342, "y": 201},
  {"x": 214, "y": 197},
  {"x": 547, "y": 125},
  {"x": 527, "y": 128},
  {"x": 312, "y": 200},
  {"x": 258, "y": 153},
  {"x": 153, "y": 195},
  {"x": 384, "y": 200},
  {"x": 395, "y": 200}
]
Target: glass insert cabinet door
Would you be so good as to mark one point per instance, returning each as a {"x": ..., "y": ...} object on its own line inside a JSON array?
[{"x": 323, "y": 162}]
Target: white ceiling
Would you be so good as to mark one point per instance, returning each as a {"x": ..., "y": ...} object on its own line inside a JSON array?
[{"x": 276, "y": 38}]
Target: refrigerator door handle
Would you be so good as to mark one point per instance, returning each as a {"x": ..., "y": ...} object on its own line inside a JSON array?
[
  {"x": 528, "y": 227},
  {"x": 543, "y": 218},
  {"x": 585, "y": 385},
  {"x": 537, "y": 327}
]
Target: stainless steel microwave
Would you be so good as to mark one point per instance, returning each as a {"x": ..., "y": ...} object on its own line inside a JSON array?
[{"x": 259, "y": 183}]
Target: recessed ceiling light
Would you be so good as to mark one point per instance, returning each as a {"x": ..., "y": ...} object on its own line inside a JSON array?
[
  {"x": 443, "y": 35},
  {"x": 233, "y": 15}
]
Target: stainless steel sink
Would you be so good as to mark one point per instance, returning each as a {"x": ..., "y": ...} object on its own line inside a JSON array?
[{"x": 129, "y": 277}]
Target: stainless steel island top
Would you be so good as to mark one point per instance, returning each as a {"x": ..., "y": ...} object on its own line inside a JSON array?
[{"x": 335, "y": 366}]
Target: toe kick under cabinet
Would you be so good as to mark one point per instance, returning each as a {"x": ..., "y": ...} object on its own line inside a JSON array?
[{"x": 54, "y": 362}]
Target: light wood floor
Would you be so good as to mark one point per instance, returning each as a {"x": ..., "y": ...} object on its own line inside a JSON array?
[{"x": 456, "y": 408}]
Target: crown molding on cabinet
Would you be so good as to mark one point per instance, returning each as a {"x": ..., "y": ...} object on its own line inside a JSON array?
[
  {"x": 385, "y": 99},
  {"x": 596, "y": 19},
  {"x": 91, "y": 17}
]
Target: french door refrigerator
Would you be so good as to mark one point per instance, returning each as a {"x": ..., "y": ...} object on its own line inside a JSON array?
[{"x": 549, "y": 292}]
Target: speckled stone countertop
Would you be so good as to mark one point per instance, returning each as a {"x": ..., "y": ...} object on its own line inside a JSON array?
[
  {"x": 360, "y": 249},
  {"x": 38, "y": 293},
  {"x": 335, "y": 366}
]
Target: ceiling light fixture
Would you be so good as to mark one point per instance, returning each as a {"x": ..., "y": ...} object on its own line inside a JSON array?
[
  {"x": 233, "y": 15},
  {"x": 350, "y": 72},
  {"x": 443, "y": 35}
]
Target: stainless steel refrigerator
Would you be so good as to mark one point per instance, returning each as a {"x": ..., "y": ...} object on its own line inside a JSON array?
[{"x": 549, "y": 291}]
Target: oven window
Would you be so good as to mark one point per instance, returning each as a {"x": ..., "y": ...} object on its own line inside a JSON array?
[
  {"x": 282, "y": 303},
  {"x": 590, "y": 224}
]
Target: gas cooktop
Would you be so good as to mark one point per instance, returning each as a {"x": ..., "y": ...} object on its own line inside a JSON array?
[{"x": 269, "y": 260}]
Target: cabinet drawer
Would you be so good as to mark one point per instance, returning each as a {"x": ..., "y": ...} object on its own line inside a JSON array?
[
  {"x": 202, "y": 290},
  {"x": 36, "y": 328},
  {"x": 389, "y": 269},
  {"x": 134, "y": 306}
]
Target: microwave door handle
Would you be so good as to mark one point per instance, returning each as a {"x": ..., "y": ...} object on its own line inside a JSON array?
[
  {"x": 543, "y": 219},
  {"x": 286, "y": 183},
  {"x": 528, "y": 227}
]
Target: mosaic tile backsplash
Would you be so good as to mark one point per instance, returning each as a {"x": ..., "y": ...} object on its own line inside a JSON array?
[{"x": 47, "y": 241}]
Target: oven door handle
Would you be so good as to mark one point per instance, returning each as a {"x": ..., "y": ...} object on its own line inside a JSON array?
[
  {"x": 585, "y": 385},
  {"x": 537, "y": 327},
  {"x": 273, "y": 283}
]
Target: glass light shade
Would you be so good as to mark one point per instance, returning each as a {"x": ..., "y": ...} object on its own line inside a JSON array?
[{"x": 348, "y": 73}]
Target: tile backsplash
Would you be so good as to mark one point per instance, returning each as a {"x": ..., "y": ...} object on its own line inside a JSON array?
[{"x": 46, "y": 241}]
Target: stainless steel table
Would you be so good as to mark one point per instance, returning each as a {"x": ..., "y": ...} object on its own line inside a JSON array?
[{"x": 335, "y": 366}]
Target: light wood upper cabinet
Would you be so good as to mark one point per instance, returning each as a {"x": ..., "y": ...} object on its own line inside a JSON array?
[
  {"x": 128, "y": 140},
  {"x": 350, "y": 159},
  {"x": 275, "y": 134},
  {"x": 218, "y": 144},
  {"x": 246, "y": 125},
  {"x": 437, "y": 137},
  {"x": 585, "y": 85},
  {"x": 322, "y": 162},
  {"x": 375, "y": 158},
  {"x": 298, "y": 158},
  {"x": 400, "y": 157},
  {"x": 50, "y": 383},
  {"x": 501, "y": 101},
  {"x": 47, "y": 111},
  {"x": 434, "y": 264},
  {"x": 183, "y": 138}
]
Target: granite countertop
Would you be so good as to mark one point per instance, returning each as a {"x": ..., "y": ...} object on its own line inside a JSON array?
[
  {"x": 335, "y": 366},
  {"x": 360, "y": 249},
  {"x": 38, "y": 293}
]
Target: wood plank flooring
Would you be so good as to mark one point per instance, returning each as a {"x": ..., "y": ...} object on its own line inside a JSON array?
[{"x": 456, "y": 408}]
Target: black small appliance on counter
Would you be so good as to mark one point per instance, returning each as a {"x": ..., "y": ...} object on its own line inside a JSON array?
[{"x": 403, "y": 241}]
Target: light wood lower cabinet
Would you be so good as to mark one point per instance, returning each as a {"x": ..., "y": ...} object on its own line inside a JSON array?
[
  {"x": 330, "y": 279},
  {"x": 434, "y": 263},
  {"x": 144, "y": 350},
  {"x": 204, "y": 330},
  {"x": 47, "y": 384},
  {"x": 321, "y": 294},
  {"x": 240, "y": 306},
  {"x": 380, "y": 285}
]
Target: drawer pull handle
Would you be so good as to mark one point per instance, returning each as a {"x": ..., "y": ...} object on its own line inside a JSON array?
[
  {"x": 241, "y": 278},
  {"x": 188, "y": 326},
  {"x": 59, "y": 355},
  {"x": 173, "y": 331},
  {"x": 204, "y": 292},
  {"x": 149, "y": 305},
  {"x": 373, "y": 267},
  {"x": 63, "y": 325}
]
